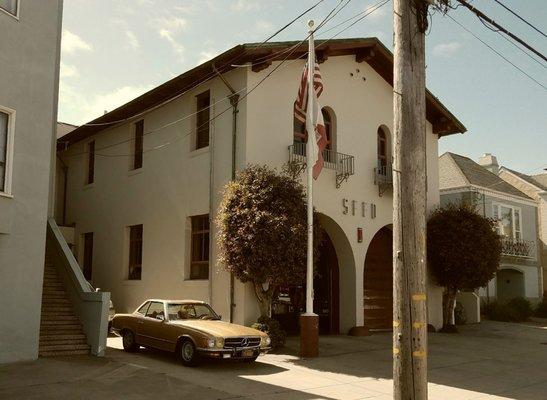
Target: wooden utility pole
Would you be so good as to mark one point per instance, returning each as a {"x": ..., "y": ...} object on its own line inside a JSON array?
[{"x": 409, "y": 202}]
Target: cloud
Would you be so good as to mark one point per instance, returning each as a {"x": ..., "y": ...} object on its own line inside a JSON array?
[
  {"x": 264, "y": 26},
  {"x": 446, "y": 49},
  {"x": 245, "y": 5},
  {"x": 167, "y": 28},
  {"x": 69, "y": 71},
  {"x": 70, "y": 43},
  {"x": 132, "y": 40},
  {"x": 79, "y": 107}
]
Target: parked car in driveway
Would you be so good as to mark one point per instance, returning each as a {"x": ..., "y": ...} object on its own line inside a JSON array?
[{"x": 189, "y": 328}]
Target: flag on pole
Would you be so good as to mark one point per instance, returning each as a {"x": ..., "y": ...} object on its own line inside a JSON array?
[{"x": 311, "y": 122}]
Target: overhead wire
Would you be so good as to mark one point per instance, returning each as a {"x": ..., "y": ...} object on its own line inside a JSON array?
[
  {"x": 519, "y": 17},
  {"x": 191, "y": 131},
  {"x": 209, "y": 76},
  {"x": 497, "y": 52}
]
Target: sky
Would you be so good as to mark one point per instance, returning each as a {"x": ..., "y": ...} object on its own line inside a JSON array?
[{"x": 115, "y": 50}]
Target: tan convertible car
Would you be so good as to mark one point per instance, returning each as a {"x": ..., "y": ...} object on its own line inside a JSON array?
[{"x": 189, "y": 328}]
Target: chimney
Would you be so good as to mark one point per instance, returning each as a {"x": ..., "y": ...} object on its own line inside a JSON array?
[{"x": 489, "y": 162}]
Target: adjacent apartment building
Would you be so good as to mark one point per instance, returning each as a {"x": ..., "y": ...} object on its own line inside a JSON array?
[
  {"x": 535, "y": 186},
  {"x": 144, "y": 181},
  {"x": 462, "y": 180},
  {"x": 30, "y": 35}
]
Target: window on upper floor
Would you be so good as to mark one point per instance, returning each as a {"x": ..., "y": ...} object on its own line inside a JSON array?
[
  {"x": 203, "y": 103},
  {"x": 10, "y": 6},
  {"x": 138, "y": 144},
  {"x": 90, "y": 174},
  {"x": 6, "y": 146},
  {"x": 508, "y": 221},
  {"x": 383, "y": 152},
  {"x": 199, "y": 250},
  {"x": 329, "y": 121}
]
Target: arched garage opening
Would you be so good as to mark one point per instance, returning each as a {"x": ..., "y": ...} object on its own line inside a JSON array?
[
  {"x": 509, "y": 284},
  {"x": 378, "y": 281}
]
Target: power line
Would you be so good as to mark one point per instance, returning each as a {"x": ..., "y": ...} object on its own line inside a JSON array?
[
  {"x": 213, "y": 74},
  {"x": 191, "y": 131},
  {"x": 486, "y": 18},
  {"x": 497, "y": 52},
  {"x": 519, "y": 17}
]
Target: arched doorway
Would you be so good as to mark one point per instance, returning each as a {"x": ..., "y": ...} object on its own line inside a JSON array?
[
  {"x": 326, "y": 287},
  {"x": 291, "y": 301},
  {"x": 509, "y": 284},
  {"x": 378, "y": 281}
]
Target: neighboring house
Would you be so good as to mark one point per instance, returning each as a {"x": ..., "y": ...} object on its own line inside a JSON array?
[
  {"x": 30, "y": 35},
  {"x": 535, "y": 186},
  {"x": 462, "y": 180},
  {"x": 145, "y": 181}
]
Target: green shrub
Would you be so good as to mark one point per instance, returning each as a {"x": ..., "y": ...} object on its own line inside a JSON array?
[
  {"x": 273, "y": 329},
  {"x": 541, "y": 309},
  {"x": 515, "y": 310},
  {"x": 460, "y": 318}
]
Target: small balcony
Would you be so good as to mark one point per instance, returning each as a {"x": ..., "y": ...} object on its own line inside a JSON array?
[
  {"x": 383, "y": 177},
  {"x": 342, "y": 164},
  {"x": 518, "y": 248}
]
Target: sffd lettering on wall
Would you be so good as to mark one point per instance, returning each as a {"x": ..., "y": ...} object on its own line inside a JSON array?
[{"x": 353, "y": 207}]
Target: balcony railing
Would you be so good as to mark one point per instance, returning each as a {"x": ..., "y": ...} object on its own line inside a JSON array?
[
  {"x": 343, "y": 164},
  {"x": 518, "y": 248},
  {"x": 383, "y": 177}
]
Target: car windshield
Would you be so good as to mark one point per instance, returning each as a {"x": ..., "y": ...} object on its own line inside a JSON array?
[{"x": 183, "y": 311}]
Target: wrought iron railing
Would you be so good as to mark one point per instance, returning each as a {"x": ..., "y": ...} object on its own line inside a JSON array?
[
  {"x": 343, "y": 164},
  {"x": 518, "y": 248},
  {"x": 383, "y": 177}
]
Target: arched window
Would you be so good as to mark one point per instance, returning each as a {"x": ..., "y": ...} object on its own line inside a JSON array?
[
  {"x": 382, "y": 148},
  {"x": 329, "y": 119},
  {"x": 328, "y": 127}
]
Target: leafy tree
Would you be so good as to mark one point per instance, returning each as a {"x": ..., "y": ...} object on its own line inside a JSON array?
[
  {"x": 262, "y": 225},
  {"x": 463, "y": 252}
]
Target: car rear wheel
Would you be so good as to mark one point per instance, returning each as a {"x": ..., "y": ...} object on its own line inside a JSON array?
[
  {"x": 129, "y": 343},
  {"x": 188, "y": 353}
]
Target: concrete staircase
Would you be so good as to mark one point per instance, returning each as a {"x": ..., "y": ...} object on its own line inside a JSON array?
[{"x": 61, "y": 332}]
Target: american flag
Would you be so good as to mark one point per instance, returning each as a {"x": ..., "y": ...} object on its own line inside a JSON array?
[{"x": 313, "y": 122}]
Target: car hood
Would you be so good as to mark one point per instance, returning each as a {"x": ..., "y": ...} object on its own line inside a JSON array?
[{"x": 219, "y": 328}]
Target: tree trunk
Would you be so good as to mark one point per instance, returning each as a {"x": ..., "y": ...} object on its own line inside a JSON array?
[
  {"x": 449, "y": 298},
  {"x": 264, "y": 298}
]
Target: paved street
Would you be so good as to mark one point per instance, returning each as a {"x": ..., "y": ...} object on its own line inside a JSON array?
[{"x": 487, "y": 361}]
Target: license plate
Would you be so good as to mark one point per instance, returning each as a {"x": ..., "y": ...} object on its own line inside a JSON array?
[{"x": 247, "y": 353}]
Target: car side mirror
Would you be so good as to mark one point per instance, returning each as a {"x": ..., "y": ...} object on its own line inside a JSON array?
[{"x": 160, "y": 317}]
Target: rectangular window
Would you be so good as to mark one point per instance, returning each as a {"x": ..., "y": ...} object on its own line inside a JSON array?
[
  {"x": 4, "y": 141},
  {"x": 87, "y": 263},
  {"x": 203, "y": 101},
  {"x": 90, "y": 178},
  {"x": 135, "y": 252},
  {"x": 508, "y": 221},
  {"x": 199, "y": 265},
  {"x": 138, "y": 149},
  {"x": 10, "y": 6}
]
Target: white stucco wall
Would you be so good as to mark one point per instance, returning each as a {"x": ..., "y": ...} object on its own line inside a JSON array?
[
  {"x": 174, "y": 185},
  {"x": 29, "y": 85}
]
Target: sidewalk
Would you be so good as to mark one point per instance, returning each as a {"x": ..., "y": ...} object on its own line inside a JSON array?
[{"x": 486, "y": 361}]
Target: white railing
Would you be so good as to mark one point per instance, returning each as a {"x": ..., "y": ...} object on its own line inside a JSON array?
[{"x": 518, "y": 248}]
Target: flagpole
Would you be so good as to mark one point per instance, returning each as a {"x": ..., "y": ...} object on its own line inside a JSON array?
[
  {"x": 309, "y": 168},
  {"x": 309, "y": 322}
]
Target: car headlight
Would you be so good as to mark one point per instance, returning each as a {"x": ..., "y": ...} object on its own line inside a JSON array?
[
  {"x": 219, "y": 343},
  {"x": 265, "y": 341},
  {"x": 210, "y": 343}
]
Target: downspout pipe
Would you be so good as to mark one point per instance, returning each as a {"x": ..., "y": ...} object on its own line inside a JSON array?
[{"x": 234, "y": 102}]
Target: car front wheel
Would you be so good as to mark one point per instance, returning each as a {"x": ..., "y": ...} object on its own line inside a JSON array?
[
  {"x": 129, "y": 343},
  {"x": 188, "y": 353}
]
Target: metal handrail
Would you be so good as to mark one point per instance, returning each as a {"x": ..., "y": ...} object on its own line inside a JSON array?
[
  {"x": 518, "y": 248},
  {"x": 343, "y": 164}
]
